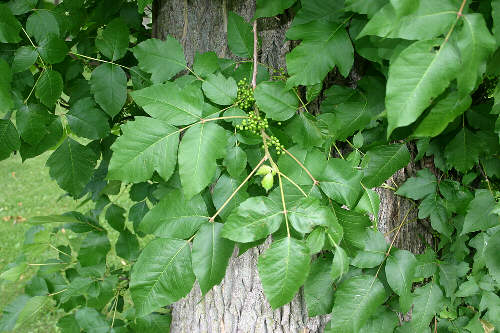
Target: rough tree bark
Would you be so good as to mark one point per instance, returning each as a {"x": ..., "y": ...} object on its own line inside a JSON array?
[{"x": 238, "y": 304}]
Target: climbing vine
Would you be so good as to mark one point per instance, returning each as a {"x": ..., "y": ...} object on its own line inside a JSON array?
[{"x": 225, "y": 153}]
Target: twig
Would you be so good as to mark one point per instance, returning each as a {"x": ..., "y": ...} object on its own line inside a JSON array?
[
  {"x": 302, "y": 166},
  {"x": 285, "y": 212},
  {"x": 293, "y": 183},
  {"x": 255, "y": 62}
]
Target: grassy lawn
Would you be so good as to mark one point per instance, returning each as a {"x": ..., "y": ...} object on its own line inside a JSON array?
[{"x": 26, "y": 190}]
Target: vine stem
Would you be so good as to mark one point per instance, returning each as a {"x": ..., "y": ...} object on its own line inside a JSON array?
[
  {"x": 34, "y": 86},
  {"x": 285, "y": 212},
  {"x": 293, "y": 183},
  {"x": 33, "y": 44},
  {"x": 459, "y": 15},
  {"x": 255, "y": 62},
  {"x": 58, "y": 292},
  {"x": 315, "y": 181},
  {"x": 211, "y": 220}
]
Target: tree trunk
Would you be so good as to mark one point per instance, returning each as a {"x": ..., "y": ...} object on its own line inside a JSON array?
[{"x": 238, "y": 304}]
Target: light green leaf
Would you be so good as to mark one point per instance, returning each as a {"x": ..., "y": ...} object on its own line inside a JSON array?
[
  {"x": 171, "y": 103},
  {"x": 162, "y": 275},
  {"x": 205, "y": 63},
  {"x": 420, "y": 186},
  {"x": 373, "y": 250},
  {"x": 175, "y": 217},
  {"x": 309, "y": 62},
  {"x": 255, "y": 218},
  {"x": 427, "y": 302},
  {"x": 340, "y": 264},
  {"x": 267, "y": 8},
  {"x": 52, "y": 49},
  {"x": 355, "y": 227},
  {"x": 41, "y": 24},
  {"x": 77, "y": 287},
  {"x": 313, "y": 159},
  {"x": 475, "y": 44},
  {"x": 307, "y": 213},
  {"x": 11, "y": 311},
  {"x": 283, "y": 268},
  {"x": 113, "y": 42},
  {"x": 355, "y": 301},
  {"x": 305, "y": 131},
  {"x": 24, "y": 58},
  {"x": 49, "y": 87},
  {"x": 109, "y": 86},
  {"x": 9, "y": 138},
  {"x": 364, "y": 7},
  {"x": 220, "y": 90},
  {"x": 491, "y": 256},
  {"x": 275, "y": 100},
  {"x": 479, "y": 213},
  {"x": 223, "y": 189},
  {"x": 382, "y": 321},
  {"x": 9, "y": 26},
  {"x": 146, "y": 145},
  {"x": 200, "y": 147},
  {"x": 72, "y": 166},
  {"x": 163, "y": 59},
  {"x": 318, "y": 289},
  {"x": 235, "y": 161},
  {"x": 441, "y": 114},
  {"x": 13, "y": 273},
  {"x": 382, "y": 162},
  {"x": 68, "y": 324},
  {"x": 239, "y": 36},
  {"x": 369, "y": 203},
  {"x": 92, "y": 321},
  {"x": 316, "y": 240},
  {"x": 87, "y": 120},
  {"x": 341, "y": 182},
  {"x": 462, "y": 152},
  {"x": 127, "y": 246},
  {"x": 419, "y": 74},
  {"x": 400, "y": 272},
  {"x": 211, "y": 254},
  {"x": 427, "y": 20}
]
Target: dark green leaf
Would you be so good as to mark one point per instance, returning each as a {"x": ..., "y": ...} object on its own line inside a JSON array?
[
  {"x": 109, "y": 86},
  {"x": 239, "y": 36},
  {"x": 420, "y": 186},
  {"x": 341, "y": 182},
  {"x": 127, "y": 246},
  {"x": 52, "y": 49},
  {"x": 9, "y": 138},
  {"x": 68, "y": 324},
  {"x": 283, "y": 268},
  {"x": 113, "y": 43},
  {"x": 94, "y": 249},
  {"x": 92, "y": 321},
  {"x": 316, "y": 240},
  {"x": 24, "y": 58},
  {"x": 9, "y": 26},
  {"x": 479, "y": 213},
  {"x": 373, "y": 251},
  {"x": 87, "y": 120},
  {"x": 115, "y": 215},
  {"x": 318, "y": 288},
  {"x": 491, "y": 256},
  {"x": 427, "y": 302},
  {"x": 381, "y": 322},
  {"x": 340, "y": 264},
  {"x": 272, "y": 8},
  {"x": 307, "y": 213},
  {"x": 235, "y": 161},
  {"x": 49, "y": 87},
  {"x": 305, "y": 131},
  {"x": 463, "y": 151},
  {"x": 42, "y": 23},
  {"x": 223, "y": 189},
  {"x": 275, "y": 100},
  {"x": 400, "y": 272},
  {"x": 205, "y": 63},
  {"x": 382, "y": 162},
  {"x": 220, "y": 90}
]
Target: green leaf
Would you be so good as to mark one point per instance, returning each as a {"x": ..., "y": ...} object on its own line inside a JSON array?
[
  {"x": 495, "y": 5},
  {"x": 146, "y": 145},
  {"x": 162, "y": 275},
  {"x": 491, "y": 256},
  {"x": 220, "y": 90},
  {"x": 52, "y": 49},
  {"x": 9, "y": 26},
  {"x": 93, "y": 249},
  {"x": 275, "y": 100},
  {"x": 382, "y": 321},
  {"x": 175, "y": 217},
  {"x": 382, "y": 162},
  {"x": 92, "y": 321},
  {"x": 11, "y": 311},
  {"x": 200, "y": 147},
  {"x": 316, "y": 240},
  {"x": 24, "y": 58},
  {"x": 154, "y": 322},
  {"x": 223, "y": 189},
  {"x": 420, "y": 186},
  {"x": 171, "y": 103},
  {"x": 463, "y": 151},
  {"x": 6, "y": 100},
  {"x": 49, "y": 87},
  {"x": 355, "y": 227},
  {"x": 400, "y": 272},
  {"x": 420, "y": 73},
  {"x": 87, "y": 120},
  {"x": 113, "y": 42},
  {"x": 235, "y": 161},
  {"x": 13, "y": 273},
  {"x": 427, "y": 20},
  {"x": 373, "y": 250},
  {"x": 355, "y": 301},
  {"x": 427, "y": 302},
  {"x": 283, "y": 269},
  {"x": 162, "y": 59},
  {"x": 272, "y": 8},
  {"x": 340, "y": 264},
  {"x": 329, "y": 45},
  {"x": 115, "y": 215},
  {"x": 21, "y": 6},
  {"x": 205, "y": 63},
  {"x": 369, "y": 203},
  {"x": 441, "y": 114},
  {"x": 255, "y": 218},
  {"x": 142, "y": 4},
  {"x": 68, "y": 324},
  {"x": 318, "y": 288},
  {"x": 433, "y": 206},
  {"x": 476, "y": 45},
  {"x": 479, "y": 213},
  {"x": 364, "y": 7},
  {"x": 426, "y": 264},
  {"x": 9, "y": 138},
  {"x": 211, "y": 254},
  {"x": 341, "y": 182},
  {"x": 127, "y": 246},
  {"x": 239, "y": 36},
  {"x": 41, "y": 24},
  {"x": 305, "y": 131},
  {"x": 109, "y": 86},
  {"x": 313, "y": 159},
  {"x": 72, "y": 166},
  {"x": 307, "y": 213},
  {"x": 77, "y": 287}
]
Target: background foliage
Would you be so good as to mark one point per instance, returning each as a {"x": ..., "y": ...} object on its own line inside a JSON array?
[{"x": 220, "y": 155}]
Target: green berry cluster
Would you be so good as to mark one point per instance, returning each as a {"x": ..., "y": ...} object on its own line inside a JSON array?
[
  {"x": 245, "y": 95},
  {"x": 253, "y": 124},
  {"x": 274, "y": 141}
]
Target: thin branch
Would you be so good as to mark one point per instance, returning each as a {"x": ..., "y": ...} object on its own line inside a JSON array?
[
  {"x": 459, "y": 15},
  {"x": 58, "y": 292},
  {"x": 285, "y": 212},
  {"x": 255, "y": 62},
  {"x": 302, "y": 166},
  {"x": 293, "y": 183},
  {"x": 237, "y": 189},
  {"x": 338, "y": 151},
  {"x": 34, "y": 86},
  {"x": 33, "y": 44}
]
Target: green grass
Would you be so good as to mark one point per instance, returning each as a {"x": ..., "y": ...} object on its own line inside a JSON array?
[{"x": 26, "y": 190}]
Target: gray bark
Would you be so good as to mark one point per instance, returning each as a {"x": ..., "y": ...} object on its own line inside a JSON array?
[{"x": 238, "y": 304}]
